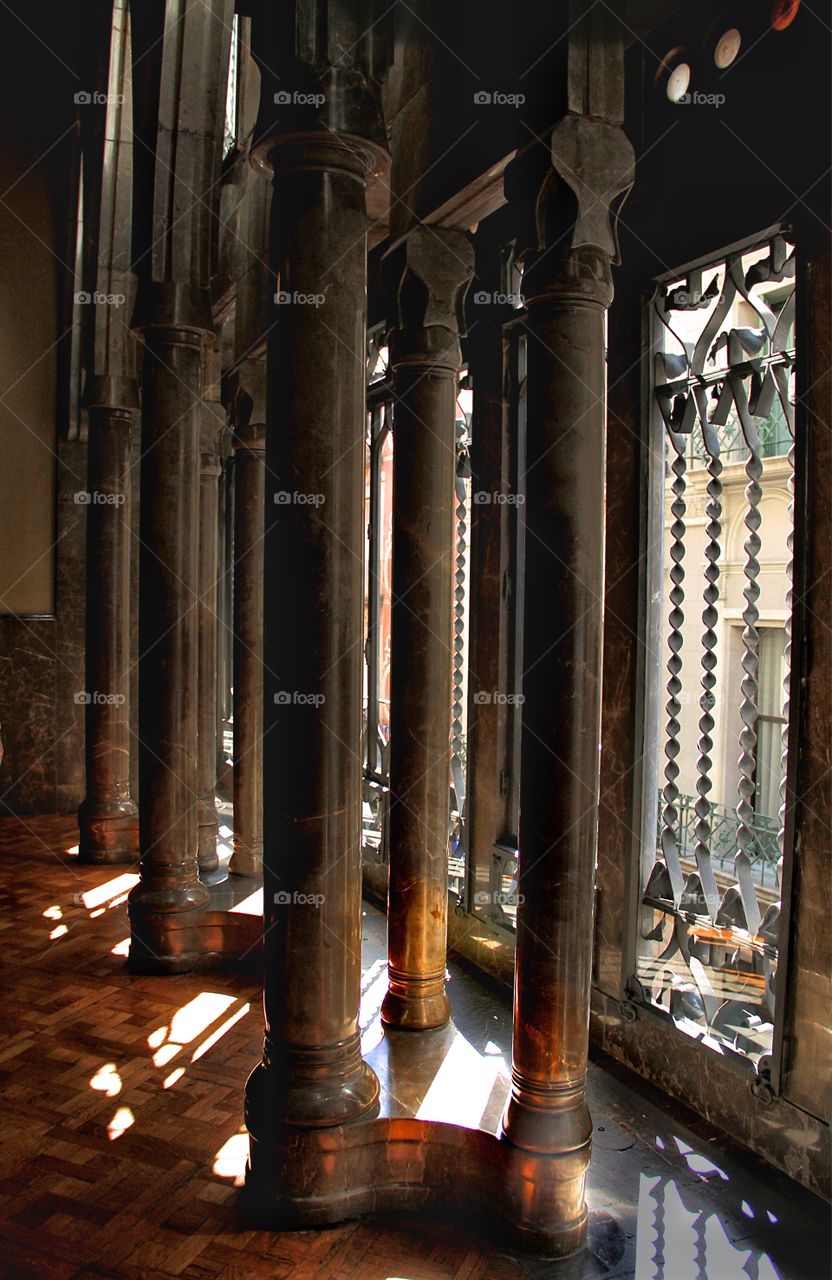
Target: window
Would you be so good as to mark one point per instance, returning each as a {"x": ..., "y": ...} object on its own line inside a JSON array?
[{"x": 723, "y": 424}]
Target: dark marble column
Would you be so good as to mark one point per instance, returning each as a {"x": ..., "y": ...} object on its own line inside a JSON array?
[
  {"x": 249, "y": 491},
  {"x": 211, "y": 431},
  {"x": 108, "y": 817},
  {"x": 172, "y": 410},
  {"x": 426, "y": 358},
  {"x": 182, "y": 66},
  {"x": 312, "y": 1075},
  {"x": 567, "y": 286}
]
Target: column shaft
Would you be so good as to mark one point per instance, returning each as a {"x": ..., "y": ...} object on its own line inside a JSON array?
[
  {"x": 424, "y": 458},
  {"x": 562, "y": 636},
  {"x": 108, "y": 818},
  {"x": 207, "y": 645},
  {"x": 312, "y": 1073},
  {"x": 249, "y": 491},
  {"x": 168, "y": 640}
]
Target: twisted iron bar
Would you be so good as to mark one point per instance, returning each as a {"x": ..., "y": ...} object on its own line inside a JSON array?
[
  {"x": 750, "y": 663},
  {"x": 781, "y": 834},
  {"x": 707, "y": 701},
  {"x": 673, "y": 706}
]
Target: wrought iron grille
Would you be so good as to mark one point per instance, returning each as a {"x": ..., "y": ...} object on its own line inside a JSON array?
[{"x": 710, "y": 894}]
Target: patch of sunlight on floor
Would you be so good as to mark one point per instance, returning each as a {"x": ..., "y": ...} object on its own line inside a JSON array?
[
  {"x": 373, "y": 991},
  {"x": 250, "y": 906},
  {"x": 170, "y": 1081},
  {"x": 121, "y": 948},
  {"x": 677, "y": 1243},
  {"x": 230, "y": 1160},
  {"x": 219, "y": 1033},
  {"x": 58, "y": 932},
  {"x": 117, "y": 888},
  {"x": 53, "y": 913},
  {"x": 107, "y": 1080},
  {"x": 120, "y": 1123},
  {"x": 460, "y": 1090}
]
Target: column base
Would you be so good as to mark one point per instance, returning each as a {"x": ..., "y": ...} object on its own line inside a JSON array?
[
  {"x": 108, "y": 836},
  {"x": 413, "y": 1005},
  {"x": 307, "y": 1091},
  {"x": 316, "y": 1178},
  {"x": 200, "y": 938},
  {"x": 207, "y": 855},
  {"x": 246, "y": 860}
]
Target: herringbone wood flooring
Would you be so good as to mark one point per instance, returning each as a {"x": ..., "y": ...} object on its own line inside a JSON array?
[{"x": 121, "y": 1104}]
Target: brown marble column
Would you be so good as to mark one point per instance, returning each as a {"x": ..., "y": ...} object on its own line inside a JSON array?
[
  {"x": 426, "y": 358},
  {"x": 567, "y": 286},
  {"x": 312, "y": 1075},
  {"x": 108, "y": 817},
  {"x": 183, "y": 66},
  {"x": 249, "y": 497},
  {"x": 172, "y": 411},
  {"x": 211, "y": 430}
]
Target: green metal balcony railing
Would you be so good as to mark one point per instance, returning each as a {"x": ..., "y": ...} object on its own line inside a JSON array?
[{"x": 765, "y": 849}]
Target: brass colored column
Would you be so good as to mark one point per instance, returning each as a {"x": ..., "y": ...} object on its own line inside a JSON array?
[
  {"x": 426, "y": 358},
  {"x": 249, "y": 491},
  {"x": 212, "y": 428},
  {"x": 567, "y": 286}
]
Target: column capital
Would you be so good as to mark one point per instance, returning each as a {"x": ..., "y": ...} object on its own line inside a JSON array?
[
  {"x": 321, "y": 65},
  {"x": 247, "y": 405},
  {"x": 437, "y": 266},
  {"x": 177, "y": 156}
]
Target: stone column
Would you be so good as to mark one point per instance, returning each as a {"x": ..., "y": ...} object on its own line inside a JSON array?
[
  {"x": 249, "y": 491},
  {"x": 253, "y": 316},
  {"x": 426, "y": 358},
  {"x": 108, "y": 817},
  {"x": 567, "y": 286},
  {"x": 312, "y": 1074},
  {"x": 178, "y": 143},
  {"x": 211, "y": 432}
]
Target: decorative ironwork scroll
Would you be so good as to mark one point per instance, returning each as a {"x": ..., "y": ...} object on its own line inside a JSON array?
[{"x": 708, "y": 944}]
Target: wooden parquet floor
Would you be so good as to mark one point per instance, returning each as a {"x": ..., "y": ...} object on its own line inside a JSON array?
[{"x": 121, "y": 1138}]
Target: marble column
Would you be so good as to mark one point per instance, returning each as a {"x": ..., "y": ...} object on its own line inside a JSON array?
[
  {"x": 312, "y": 1075},
  {"x": 180, "y": 73},
  {"x": 108, "y": 817},
  {"x": 211, "y": 431},
  {"x": 567, "y": 285},
  {"x": 426, "y": 358},
  {"x": 172, "y": 410},
  {"x": 249, "y": 491}
]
